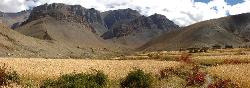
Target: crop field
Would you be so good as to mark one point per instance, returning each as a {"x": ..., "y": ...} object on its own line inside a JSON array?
[
  {"x": 227, "y": 64},
  {"x": 239, "y": 74},
  {"x": 51, "y": 68},
  {"x": 217, "y": 64}
]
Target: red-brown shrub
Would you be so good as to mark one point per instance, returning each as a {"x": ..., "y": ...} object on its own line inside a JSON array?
[
  {"x": 223, "y": 84},
  {"x": 197, "y": 78},
  {"x": 165, "y": 73},
  {"x": 186, "y": 58}
]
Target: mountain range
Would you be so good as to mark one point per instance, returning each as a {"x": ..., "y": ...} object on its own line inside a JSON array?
[{"x": 71, "y": 30}]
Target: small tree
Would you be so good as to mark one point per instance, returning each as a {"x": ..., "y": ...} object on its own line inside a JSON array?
[{"x": 223, "y": 84}]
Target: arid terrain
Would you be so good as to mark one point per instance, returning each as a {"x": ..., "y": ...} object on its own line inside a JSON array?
[{"x": 69, "y": 46}]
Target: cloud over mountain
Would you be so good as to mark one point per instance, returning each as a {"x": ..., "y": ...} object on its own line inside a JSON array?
[{"x": 182, "y": 12}]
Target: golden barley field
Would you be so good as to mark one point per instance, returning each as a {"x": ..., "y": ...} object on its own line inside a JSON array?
[
  {"x": 226, "y": 64},
  {"x": 239, "y": 74},
  {"x": 40, "y": 69}
]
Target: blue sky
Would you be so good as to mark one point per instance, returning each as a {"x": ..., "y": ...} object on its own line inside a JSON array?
[
  {"x": 205, "y": 1},
  {"x": 234, "y": 2},
  {"x": 182, "y": 12},
  {"x": 229, "y": 2}
]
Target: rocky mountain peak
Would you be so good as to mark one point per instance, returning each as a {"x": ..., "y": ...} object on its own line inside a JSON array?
[
  {"x": 119, "y": 16},
  {"x": 70, "y": 13},
  {"x": 155, "y": 23},
  {"x": 162, "y": 21}
]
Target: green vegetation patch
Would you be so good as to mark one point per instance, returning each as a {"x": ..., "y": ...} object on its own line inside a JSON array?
[
  {"x": 81, "y": 80},
  {"x": 137, "y": 79}
]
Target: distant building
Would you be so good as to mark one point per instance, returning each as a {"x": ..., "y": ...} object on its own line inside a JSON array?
[
  {"x": 193, "y": 50},
  {"x": 229, "y": 47},
  {"x": 196, "y": 50},
  {"x": 216, "y": 46}
]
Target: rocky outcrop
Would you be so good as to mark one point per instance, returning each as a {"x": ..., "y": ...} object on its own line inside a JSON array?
[
  {"x": 156, "y": 23},
  {"x": 70, "y": 13},
  {"x": 119, "y": 16},
  {"x": 140, "y": 30},
  {"x": 162, "y": 22}
]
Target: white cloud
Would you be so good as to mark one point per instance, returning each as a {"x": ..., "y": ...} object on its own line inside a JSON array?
[
  {"x": 9, "y": 5},
  {"x": 182, "y": 12}
]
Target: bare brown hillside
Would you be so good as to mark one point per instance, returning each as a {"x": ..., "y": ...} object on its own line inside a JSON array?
[
  {"x": 66, "y": 32},
  {"x": 14, "y": 44},
  {"x": 231, "y": 30}
]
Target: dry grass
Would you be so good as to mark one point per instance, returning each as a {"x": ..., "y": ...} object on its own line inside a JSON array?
[
  {"x": 219, "y": 63},
  {"x": 228, "y": 64},
  {"x": 40, "y": 69},
  {"x": 213, "y": 57},
  {"x": 240, "y": 74},
  {"x": 218, "y": 60}
]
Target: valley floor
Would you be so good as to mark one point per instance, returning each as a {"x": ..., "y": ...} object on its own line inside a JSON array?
[
  {"x": 41, "y": 69},
  {"x": 230, "y": 65},
  {"x": 239, "y": 74}
]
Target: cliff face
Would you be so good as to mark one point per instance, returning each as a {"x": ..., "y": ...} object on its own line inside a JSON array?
[
  {"x": 140, "y": 30},
  {"x": 156, "y": 22},
  {"x": 70, "y": 13},
  {"x": 162, "y": 22},
  {"x": 120, "y": 16}
]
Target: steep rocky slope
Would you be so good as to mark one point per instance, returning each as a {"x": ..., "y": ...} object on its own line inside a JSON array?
[
  {"x": 13, "y": 20},
  {"x": 69, "y": 24},
  {"x": 14, "y": 44},
  {"x": 140, "y": 30},
  {"x": 120, "y": 16},
  {"x": 231, "y": 30}
]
